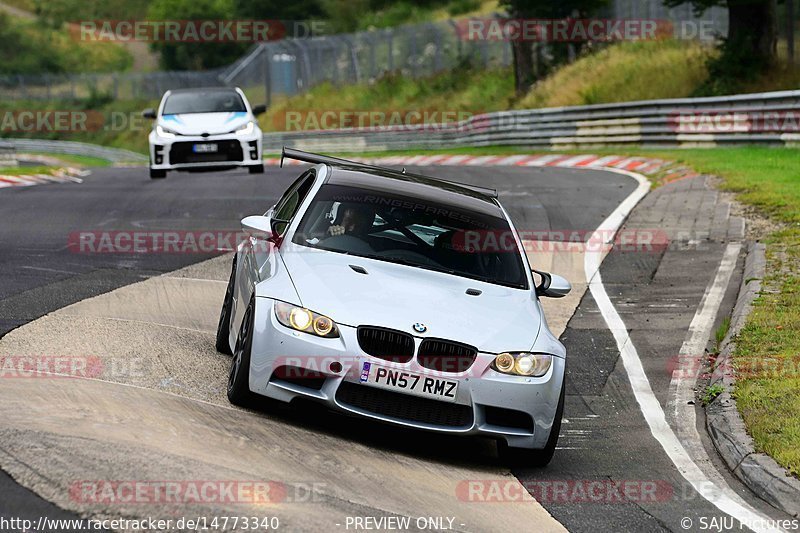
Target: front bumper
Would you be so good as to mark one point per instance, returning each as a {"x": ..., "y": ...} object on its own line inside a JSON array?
[
  {"x": 178, "y": 153},
  {"x": 518, "y": 409}
]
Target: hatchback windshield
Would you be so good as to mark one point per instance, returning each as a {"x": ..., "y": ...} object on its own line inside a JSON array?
[
  {"x": 203, "y": 102},
  {"x": 413, "y": 231}
]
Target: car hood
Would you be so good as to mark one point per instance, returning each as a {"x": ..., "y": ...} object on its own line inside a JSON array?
[
  {"x": 399, "y": 296},
  {"x": 199, "y": 123}
]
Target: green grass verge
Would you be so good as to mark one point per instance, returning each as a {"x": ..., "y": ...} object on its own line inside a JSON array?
[
  {"x": 25, "y": 171},
  {"x": 768, "y": 356},
  {"x": 77, "y": 160}
]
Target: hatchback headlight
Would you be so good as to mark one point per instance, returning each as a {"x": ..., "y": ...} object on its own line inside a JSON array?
[
  {"x": 164, "y": 132},
  {"x": 523, "y": 363},
  {"x": 301, "y": 319},
  {"x": 247, "y": 129}
]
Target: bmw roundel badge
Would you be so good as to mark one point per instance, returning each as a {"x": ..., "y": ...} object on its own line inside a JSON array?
[{"x": 419, "y": 327}]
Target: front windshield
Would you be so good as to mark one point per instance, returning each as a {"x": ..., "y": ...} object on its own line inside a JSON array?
[
  {"x": 203, "y": 102},
  {"x": 412, "y": 231}
]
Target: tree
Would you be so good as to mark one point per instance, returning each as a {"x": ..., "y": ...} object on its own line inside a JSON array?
[
  {"x": 195, "y": 55},
  {"x": 278, "y": 9},
  {"x": 750, "y": 46},
  {"x": 529, "y": 64}
]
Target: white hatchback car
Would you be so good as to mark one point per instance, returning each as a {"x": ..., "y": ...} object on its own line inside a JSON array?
[
  {"x": 205, "y": 128},
  {"x": 369, "y": 290}
]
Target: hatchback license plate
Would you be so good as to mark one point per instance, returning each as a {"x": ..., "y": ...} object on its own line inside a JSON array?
[
  {"x": 409, "y": 383},
  {"x": 205, "y": 148}
]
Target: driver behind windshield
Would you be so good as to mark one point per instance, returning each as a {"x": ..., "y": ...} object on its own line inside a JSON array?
[{"x": 355, "y": 220}]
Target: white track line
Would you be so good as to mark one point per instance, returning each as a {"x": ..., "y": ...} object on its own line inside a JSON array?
[
  {"x": 681, "y": 389},
  {"x": 204, "y": 280},
  {"x": 648, "y": 403}
]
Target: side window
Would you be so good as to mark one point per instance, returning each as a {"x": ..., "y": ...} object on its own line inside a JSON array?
[{"x": 287, "y": 207}]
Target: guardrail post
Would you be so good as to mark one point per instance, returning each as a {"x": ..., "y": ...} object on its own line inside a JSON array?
[
  {"x": 390, "y": 34},
  {"x": 459, "y": 44},
  {"x": 790, "y": 22},
  {"x": 412, "y": 60},
  {"x": 372, "y": 66},
  {"x": 267, "y": 78},
  {"x": 21, "y": 85}
]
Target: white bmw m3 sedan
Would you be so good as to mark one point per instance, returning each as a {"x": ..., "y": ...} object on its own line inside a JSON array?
[
  {"x": 375, "y": 292},
  {"x": 206, "y": 128}
]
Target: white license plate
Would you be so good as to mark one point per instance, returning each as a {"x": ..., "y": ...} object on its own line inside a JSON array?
[
  {"x": 408, "y": 382},
  {"x": 205, "y": 148}
]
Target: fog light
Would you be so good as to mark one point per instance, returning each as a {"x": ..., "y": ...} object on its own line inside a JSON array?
[{"x": 504, "y": 362}]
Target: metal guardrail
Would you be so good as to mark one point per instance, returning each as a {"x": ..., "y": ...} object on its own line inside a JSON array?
[
  {"x": 115, "y": 155},
  {"x": 763, "y": 118}
]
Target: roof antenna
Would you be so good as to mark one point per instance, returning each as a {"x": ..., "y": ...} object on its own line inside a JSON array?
[{"x": 404, "y": 170}]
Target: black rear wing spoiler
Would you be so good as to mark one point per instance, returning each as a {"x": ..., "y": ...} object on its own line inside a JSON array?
[{"x": 317, "y": 159}]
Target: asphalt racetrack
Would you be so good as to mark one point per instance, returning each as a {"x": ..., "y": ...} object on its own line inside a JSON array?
[{"x": 156, "y": 409}]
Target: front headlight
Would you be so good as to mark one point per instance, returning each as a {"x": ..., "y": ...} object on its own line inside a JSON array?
[
  {"x": 165, "y": 133},
  {"x": 247, "y": 129},
  {"x": 523, "y": 363},
  {"x": 301, "y": 319}
]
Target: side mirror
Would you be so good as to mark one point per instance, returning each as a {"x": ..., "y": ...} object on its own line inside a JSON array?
[
  {"x": 259, "y": 109},
  {"x": 257, "y": 226},
  {"x": 552, "y": 285},
  {"x": 149, "y": 113}
]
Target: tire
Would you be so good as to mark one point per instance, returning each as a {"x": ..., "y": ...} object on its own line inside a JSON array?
[
  {"x": 223, "y": 344},
  {"x": 156, "y": 174},
  {"x": 239, "y": 376},
  {"x": 535, "y": 458},
  {"x": 256, "y": 169}
]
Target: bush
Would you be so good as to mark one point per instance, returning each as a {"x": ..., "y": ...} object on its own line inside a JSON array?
[{"x": 30, "y": 47}]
